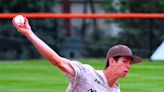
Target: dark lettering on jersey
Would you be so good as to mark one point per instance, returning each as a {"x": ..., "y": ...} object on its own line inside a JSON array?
[
  {"x": 91, "y": 90},
  {"x": 97, "y": 81}
]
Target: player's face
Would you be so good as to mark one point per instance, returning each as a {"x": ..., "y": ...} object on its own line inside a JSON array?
[{"x": 124, "y": 66}]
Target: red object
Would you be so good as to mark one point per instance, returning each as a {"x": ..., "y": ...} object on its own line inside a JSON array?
[{"x": 78, "y": 15}]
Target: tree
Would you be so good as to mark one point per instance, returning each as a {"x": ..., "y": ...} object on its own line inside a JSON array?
[
  {"x": 11, "y": 40},
  {"x": 141, "y": 33}
]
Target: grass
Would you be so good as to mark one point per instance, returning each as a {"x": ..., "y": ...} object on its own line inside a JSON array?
[{"x": 41, "y": 76}]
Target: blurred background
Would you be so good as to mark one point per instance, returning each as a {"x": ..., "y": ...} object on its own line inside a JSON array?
[
  {"x": 23, "y": 69},
  {"x": 76, "y": 38}
]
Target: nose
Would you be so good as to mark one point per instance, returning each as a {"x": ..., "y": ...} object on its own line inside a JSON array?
[{"x": 128, "y": 65}]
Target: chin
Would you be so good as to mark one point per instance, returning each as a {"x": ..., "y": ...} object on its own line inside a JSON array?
[{"x": 123, "y": 76}]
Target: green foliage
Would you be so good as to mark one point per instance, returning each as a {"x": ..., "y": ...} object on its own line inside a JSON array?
[
  {"x": 145, "y": 25},
  {"x": 26, "y": 5},
  {"x": 139, "y": 33},
  {"x": 14, "y": 42},
  {"x": 144, "y": 6},
  {"x": 99, "y": 48},
  {"x": 108, "y": 6}
]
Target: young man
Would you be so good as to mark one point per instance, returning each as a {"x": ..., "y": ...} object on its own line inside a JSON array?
[{"x": 84, "y": 78}]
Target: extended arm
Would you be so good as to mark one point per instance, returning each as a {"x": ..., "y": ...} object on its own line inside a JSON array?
[{"x": 44, "y": 49}]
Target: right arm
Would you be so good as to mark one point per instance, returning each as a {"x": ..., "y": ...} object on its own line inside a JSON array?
[{"x": 44, "y": 49}]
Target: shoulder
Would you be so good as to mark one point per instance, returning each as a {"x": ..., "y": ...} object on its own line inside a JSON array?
[
  {"x": 78, "y": 64},
  {"x": 80, "y": 68}
]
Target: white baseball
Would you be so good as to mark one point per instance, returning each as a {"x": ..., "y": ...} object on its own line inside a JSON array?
[{"x": 19, "y": 20}]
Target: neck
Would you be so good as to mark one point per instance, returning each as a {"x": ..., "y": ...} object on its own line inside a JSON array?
[{"x": 111, "y": 77}]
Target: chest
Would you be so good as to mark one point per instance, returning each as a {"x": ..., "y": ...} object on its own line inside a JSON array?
[{"x": 94, "y": 85}]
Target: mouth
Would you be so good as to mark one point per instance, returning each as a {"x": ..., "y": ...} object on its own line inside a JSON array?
[{"x": 125, "y": 72}]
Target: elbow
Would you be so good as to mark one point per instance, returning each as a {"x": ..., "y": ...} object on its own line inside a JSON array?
[{"x": 56, "y": 61}]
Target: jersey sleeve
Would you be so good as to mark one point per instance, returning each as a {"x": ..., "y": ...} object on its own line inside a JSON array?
[{"x": 81, "y": 71}]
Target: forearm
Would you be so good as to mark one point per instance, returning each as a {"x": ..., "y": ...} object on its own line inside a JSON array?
[
  {"x": 50, "y": 55},
  {"x": 43, "y": 48}
]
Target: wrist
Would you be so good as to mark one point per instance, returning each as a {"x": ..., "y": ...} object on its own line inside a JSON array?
[{"x": 29, "y": 33}]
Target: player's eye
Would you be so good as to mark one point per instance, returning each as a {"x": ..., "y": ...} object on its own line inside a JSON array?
[{"x": 126, "y": 61}]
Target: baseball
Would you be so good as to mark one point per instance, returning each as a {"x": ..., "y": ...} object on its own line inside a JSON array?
[{"x": 19, "y": 20}]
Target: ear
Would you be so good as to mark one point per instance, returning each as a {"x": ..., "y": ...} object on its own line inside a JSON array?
[{"x": 111, "y": 61}]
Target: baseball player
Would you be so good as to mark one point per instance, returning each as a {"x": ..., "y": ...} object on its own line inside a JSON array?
[{"x": 83, "y": 77}]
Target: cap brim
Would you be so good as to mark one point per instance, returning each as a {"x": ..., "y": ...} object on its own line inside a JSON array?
[{"x": 136, "y": 59}]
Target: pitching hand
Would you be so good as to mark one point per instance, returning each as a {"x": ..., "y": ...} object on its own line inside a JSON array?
[{"x": 24, "y": 28}]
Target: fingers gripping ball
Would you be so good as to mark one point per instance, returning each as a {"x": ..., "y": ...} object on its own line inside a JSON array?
[{"x": 19, "y": 20}]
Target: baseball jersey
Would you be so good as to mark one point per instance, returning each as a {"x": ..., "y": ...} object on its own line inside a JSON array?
[{"x": 87, "y": 79}]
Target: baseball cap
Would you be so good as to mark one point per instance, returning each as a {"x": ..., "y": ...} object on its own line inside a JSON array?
[{"x": 123, "y": 50}]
